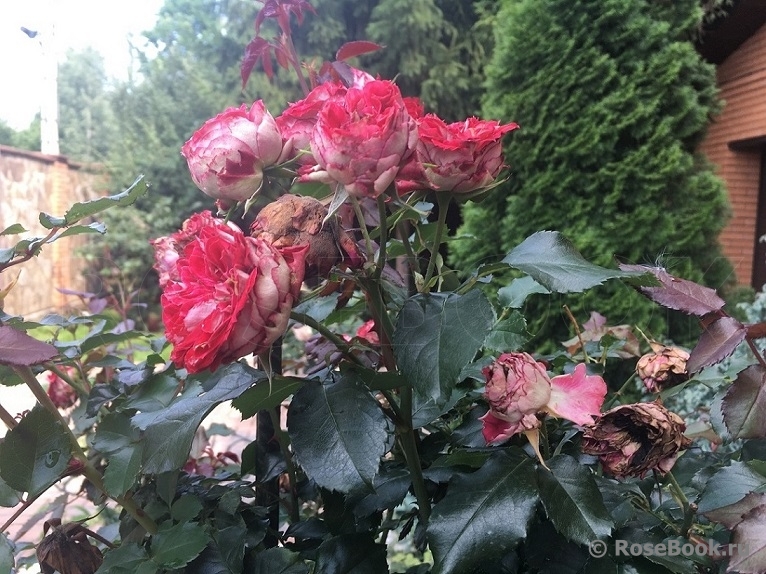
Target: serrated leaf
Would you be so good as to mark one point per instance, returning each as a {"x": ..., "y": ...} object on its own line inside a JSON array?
[
  {"x": 356, "y": 48},
  {"x": 554, "y": 262},
  {"x": 127, "y": 558},
  {"x": 18, "y": 348},
  {"x": 185, "y": 508},
  {"x": 279, "y": 561},
  {"x": 339, "y": 434},
  {"x": 351, "y": 554},
  {"x": 266, "y": 394},
  {"x": 35, "y": 452},
  {"x": 744, "y": 404},
  {"x": 85, "y": 209},
  {"x": 749, "y": 554},
  {"x": 7, "y": 561},
  {"x": 390, "y": 489},
  {"x": 717, "y": 341},
  {"x": 679, "y": 294},
  {"x": 436, "y": 336},
  {"x": 178, "y": 545},
  {"x": 573, "y": 501},
  {"x": 95, "y": 227},
  {"x": 729, "y": 485},
  {"x": 497, "y": 503},
  {"x": 732, "y": 515},
  {"x": 181, "y": 419},
  {"x": 516, "y": 293},
  {"x": 8, "y": 496},
  {"x": 14, "y": 229},
  {"x": 122, "y": 469},
  {"x": 507, "y": 335},
  {"x": 9, "y": 377}
]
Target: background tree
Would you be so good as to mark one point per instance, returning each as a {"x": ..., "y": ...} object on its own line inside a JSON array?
[{"x": 613, "y": 101}]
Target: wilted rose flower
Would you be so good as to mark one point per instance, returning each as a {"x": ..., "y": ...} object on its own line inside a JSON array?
[
  {"x": 631, "y": 440},
  {"x": 518, "y": 389},
  {"x": 232, "y": 296},
  {"x": 663, "y": 368},
  {"x": 60, "y": 392},
  {"x": 595, "y": 328},
  {"x": 294, "y": 220},
  {"x": 361, "y": 141},
  {"x": 459, "y": 157},
  {"x": 226, "y": 156}
]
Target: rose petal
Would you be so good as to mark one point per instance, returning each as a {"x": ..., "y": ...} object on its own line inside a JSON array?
[{"x": 577, "y": 396}]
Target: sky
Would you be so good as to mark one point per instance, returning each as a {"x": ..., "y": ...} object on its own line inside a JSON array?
[{"x": 105, "y": 25}]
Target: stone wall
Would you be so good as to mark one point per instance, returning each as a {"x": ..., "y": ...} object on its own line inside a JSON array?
[{"x": 31, "y": 183}]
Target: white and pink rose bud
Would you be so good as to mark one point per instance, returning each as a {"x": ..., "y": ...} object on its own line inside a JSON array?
[{"x": 227, "y": 155}]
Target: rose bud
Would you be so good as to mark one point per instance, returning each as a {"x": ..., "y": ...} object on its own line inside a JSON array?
[
  {"x": 232, "y": 296},
  {"x": 663, "y": 368},
  {"x": 226, "y": 156},
  {"x": 631, "y": 440},
  {"x": 361, "y": 141},
  {"x": 294, "y": 220},
  {"x": 459, "y": 157}
]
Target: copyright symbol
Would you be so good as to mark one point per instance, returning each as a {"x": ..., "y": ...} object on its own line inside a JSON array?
[{"x": 597, "y": 548}]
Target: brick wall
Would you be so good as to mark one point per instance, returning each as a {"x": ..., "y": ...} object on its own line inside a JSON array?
[
  {"x": 742, "y": 81},
  {"x": 32, "y": 182}
]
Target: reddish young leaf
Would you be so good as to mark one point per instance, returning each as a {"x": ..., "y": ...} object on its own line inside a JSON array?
[
  {"x": 744, "y": 405},
  {"x": 718, "y": 341},
  {"x": 357, "y": 48},
  {"x": 280, "y": 10},
  {"x": 257, "y": 49},
  {"x": 749, "y": 543},
  {"x": 18, "y": 348},
  {"x": 679, "y": 294},
  {"x": 732, "y": 514}
]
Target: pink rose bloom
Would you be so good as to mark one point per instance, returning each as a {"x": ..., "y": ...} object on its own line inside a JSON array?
[
  {"x": 518, "y": 388},
  {"x": 232, "y": 296},
  {"x": 361, "y": 141},
  {"x": 462, "y": 156},
  {"x": 226, "y": 156},
  {"x": 299, "y": 118}
]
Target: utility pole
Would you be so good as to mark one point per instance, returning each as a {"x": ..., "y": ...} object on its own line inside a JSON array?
[{"x": 49, "y": 100}]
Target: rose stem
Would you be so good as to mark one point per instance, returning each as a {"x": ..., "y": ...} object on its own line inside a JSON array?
[
  {"x": 283, "y": 440},
  {"x": 412, "y": 259},
  {"x": 616, "y": 395},
  {"x": 383, "y": 239},
  {"x": 756, "y": 352},
  {"x": 585, "y": 356},
  {"x": 362, "y": 226},
  {"x": 89, "y": 471},
  {"x": 343, "y": 347},
  {"x": 406, "y": 436},
  {"x": 683, "y": 502},
  {"x": 8, "y": 419},
  {"x": 442, "y": 202}
]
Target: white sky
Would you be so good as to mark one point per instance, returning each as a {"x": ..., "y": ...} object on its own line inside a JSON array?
[{"x": 104, "y": 25}]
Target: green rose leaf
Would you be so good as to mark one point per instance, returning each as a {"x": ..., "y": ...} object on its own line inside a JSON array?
[
  {"x": 507, "y": 335},
  {"x": 554, "y": 262},
  {"x": 127, "y": 558},
  {"x": 181, "y": 419},
  {"x": 279, "y": 561},
  {"x": 266, "y": 394},
  {"x": 122, "y": 469},
  {"x": 94, "y": 227},
  {"x": 436, "y": 336},
  {"x": 35, "y": 453},
  {"x": 178, "y": 545},
  {"x": 729, "y": 485},
  {"x": 339, "y": 433},
  {"x": 85, "y": 209},
  {"x": 7, "y": 562},
  {"x": 516, "y": 293},
  {"x": 351, "y": 553},
  {"x": 496, "y": 502},
  {"x": 573, "y": 501}
]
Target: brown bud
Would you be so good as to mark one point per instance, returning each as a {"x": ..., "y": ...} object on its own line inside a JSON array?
[
  {"x": 298, "y": 220},
  {"x": 631, "y": 440},
  {"x": 663, "y": 368}
]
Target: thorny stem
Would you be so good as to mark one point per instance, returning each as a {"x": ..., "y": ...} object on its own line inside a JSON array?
[
  {"x": 89, "y": 471},
  {"x": 283, "y": 439},
  {"x": 362, "y": 225},
  {"x": 442, "y": 203},
  {"x": 617, "y": 395},
  {"x": 343, "y": 347},
  {"x": 684, "y": 503},
  {"x": 586, "y": 358},
  {"x": 756, "y": 352},
  {"x": 8, "y": 419}
]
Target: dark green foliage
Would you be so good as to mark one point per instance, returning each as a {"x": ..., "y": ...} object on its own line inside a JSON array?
[{"x": 612, "y": 101}]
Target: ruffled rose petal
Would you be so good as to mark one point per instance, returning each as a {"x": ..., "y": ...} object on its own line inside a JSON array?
[{"x": 577, "y": 396}]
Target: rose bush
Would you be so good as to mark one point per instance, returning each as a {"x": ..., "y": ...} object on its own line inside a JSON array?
[{"x": 389, "y": 392}]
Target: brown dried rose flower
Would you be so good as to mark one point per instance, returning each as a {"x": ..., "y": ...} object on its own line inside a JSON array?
[
  {"x": 663, "y": 368},
  {"x": 631, "y": 440},
  {"x": 298, "y": 220}
]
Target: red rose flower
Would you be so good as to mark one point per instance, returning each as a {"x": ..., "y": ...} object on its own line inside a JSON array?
[
  {"x": 232, "y": 296},
  {"x": 226, "y": 156}
]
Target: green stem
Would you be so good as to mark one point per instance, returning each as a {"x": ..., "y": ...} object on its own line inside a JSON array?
[
  {"x": 379, "y": 313},
  {"x": 89, "y": 471},
  {"x": 683, "y": 502},
  {"x": 383, "y": 239},
  {"x": 362, "y": 226},
  {"x": 442, "y": 201},
  {"x": 343, "y": 347},
  {"x": 283, "y": 441},
  {"x": 404, "y": 236},
  {"x": 409, "y": 447},
  {"x": 616, "y": 395}
]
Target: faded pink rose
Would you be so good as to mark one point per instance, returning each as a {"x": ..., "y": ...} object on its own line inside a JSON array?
[
  {"x": 663, "y": 368},
  {"x": 226, "y": 156},
  {"x": 232, "y": 296},
  {"x": 459, "y": 157},
  {"x": 518, "y": 388},
  {"x": 299, "y": 118},
  {"x": 360, "y": 142}
]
